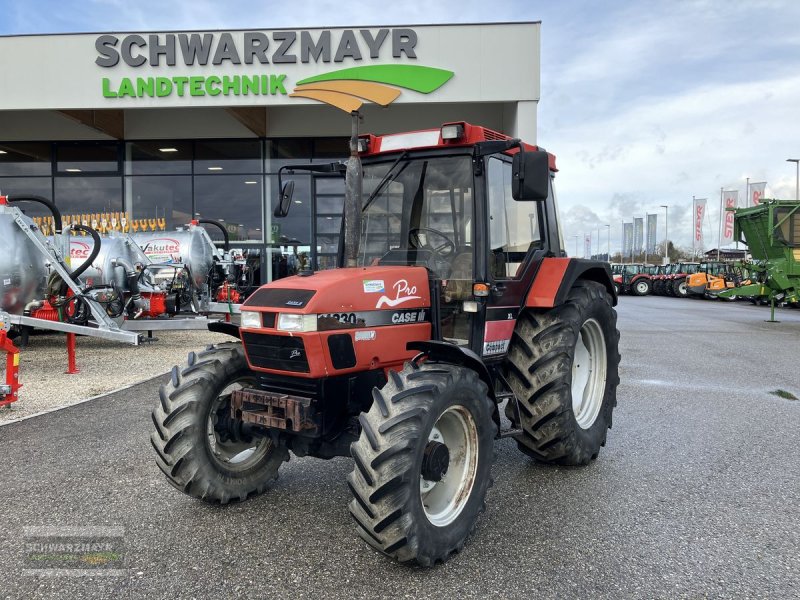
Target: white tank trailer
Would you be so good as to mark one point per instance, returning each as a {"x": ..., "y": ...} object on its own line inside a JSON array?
[{"x": 23, "y": 269}]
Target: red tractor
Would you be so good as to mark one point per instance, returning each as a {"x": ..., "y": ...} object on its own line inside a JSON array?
[
  {"x": 633, "y": 279},
  {"x": 455, "y": 304}
]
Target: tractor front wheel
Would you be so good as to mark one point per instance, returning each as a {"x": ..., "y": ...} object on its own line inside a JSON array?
[
  {"x": 563, "y": 367},
  {"x": 200, "y": 450},
  {"x": 423, "y": 462}
]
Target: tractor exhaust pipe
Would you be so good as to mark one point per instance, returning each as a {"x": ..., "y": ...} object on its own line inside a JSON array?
[{"x": 352, "y": 198}]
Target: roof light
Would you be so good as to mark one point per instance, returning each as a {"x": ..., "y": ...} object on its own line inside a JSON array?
[
  {"x": 3, "y": 152},
  {"x": 251, "y": 182},
  {"x": 215, "y": 168},
  {"x": 72, "y": 170},
  {"x": 167, "y": 149},
  {"x": 452, "y": 131}
]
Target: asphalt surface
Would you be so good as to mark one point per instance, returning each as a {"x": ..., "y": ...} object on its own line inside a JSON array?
[{"x": 697, "y": 493}]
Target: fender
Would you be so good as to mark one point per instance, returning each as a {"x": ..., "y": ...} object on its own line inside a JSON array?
[
  {"x": 226, "y": 328},
  {"x": 455, "y": 355},
  {"x": 556, "y": 276}
]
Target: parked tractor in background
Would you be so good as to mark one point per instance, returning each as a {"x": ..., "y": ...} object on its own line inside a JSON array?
[
  {"x": 771, "y": 231},
  {"x": 454, "y": 297},
  {"x": 659, "y": 279},
  {"x": 634, "y": 279},
  {"x": 675, "y": 284},
  {"x": 712, "y": 278}
]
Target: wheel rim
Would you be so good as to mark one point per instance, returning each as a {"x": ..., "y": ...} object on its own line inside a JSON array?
[
  {"x": 444, "y": 500},
  {"x": 233, "y": 455},
  {"x": 682, "y": 288},
  {"x": 641, "y": 287},
  {"x": 589, "y": 374}
]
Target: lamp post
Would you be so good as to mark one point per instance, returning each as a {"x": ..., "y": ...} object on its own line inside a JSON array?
[
  {"x": 608, "y": 244},
  {"x": 796, "y": 162},
  {"x": 576, "y": 245},
  {"x": 666, "y": 233}
]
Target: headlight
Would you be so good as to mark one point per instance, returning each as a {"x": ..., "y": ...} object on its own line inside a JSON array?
[
  {"x": 251, "y": 319},
  {"x": 290, "y": 322}
]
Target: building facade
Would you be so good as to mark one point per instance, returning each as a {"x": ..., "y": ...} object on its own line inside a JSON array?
[{"x": 166, "y": 126}]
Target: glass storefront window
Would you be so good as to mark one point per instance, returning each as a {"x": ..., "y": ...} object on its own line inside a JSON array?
[
  {"x": 287, "y": 152},
  {"x": 331, "y": 149},
  {"x": 25, "y": 159},
  {"x": 295, "y": 228},
  {"x": 162, "y": 157},
  {"x": 22, "y": 186},
  {"x": 235, "y": 199},
  {"x": 88, "y": 195},
  {"x": 166, "y": 197},
  {"x": 87, "y": 158},
  {"x": 221, "y": 158}
]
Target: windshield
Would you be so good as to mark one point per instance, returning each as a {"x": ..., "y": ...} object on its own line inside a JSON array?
[{"x": 420, "y": 215}]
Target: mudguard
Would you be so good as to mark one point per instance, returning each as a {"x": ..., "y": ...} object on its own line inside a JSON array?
[{"x": 556, "y": 276}]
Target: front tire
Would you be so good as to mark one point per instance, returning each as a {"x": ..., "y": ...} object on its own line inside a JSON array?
[
  {"x": 196, "y": 447},
  {"x": 426, "y": 416},
  {"x": 563, "y": 367}
]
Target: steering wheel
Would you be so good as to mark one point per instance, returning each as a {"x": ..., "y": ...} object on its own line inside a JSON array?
[{"x": 445, "y": 249}]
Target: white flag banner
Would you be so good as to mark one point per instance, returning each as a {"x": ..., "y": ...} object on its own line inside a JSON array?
[
  {"x": 730, "y": 199},
  {"x": 699, "y": 214},
  {"x": 587, "y": 245},
  {"x": 757, "y": 193}
]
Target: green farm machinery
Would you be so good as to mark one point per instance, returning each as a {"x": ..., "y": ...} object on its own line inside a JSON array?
[{"x": 771, "y": 231}]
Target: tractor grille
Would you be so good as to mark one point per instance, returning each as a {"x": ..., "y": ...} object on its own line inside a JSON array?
[{"x": 279, "y": 352}]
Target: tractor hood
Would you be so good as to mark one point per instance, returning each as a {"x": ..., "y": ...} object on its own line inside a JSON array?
[{"x": 350, "y": 290}]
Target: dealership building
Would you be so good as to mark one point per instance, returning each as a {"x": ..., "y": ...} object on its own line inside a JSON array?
[{"x": 164, "y": 126}]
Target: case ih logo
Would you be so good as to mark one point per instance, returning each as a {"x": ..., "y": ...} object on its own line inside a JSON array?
[
  {"x": 79, "y": 250},
  {"x": 402, "y": 293}
]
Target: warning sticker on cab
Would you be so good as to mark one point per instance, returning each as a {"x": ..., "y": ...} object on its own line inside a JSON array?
[{"x": 373, "y": 286}]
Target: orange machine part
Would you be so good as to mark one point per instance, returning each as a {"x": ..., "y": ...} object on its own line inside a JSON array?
[{"x": 545, "y": 286}]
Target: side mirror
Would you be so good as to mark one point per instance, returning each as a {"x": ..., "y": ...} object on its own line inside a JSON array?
[
  {"x": 530, "y": 175},
  {"x": 284, "y": 200}
]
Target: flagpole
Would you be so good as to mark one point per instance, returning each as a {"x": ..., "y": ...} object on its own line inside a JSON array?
[
  {"x": 747, "y": 202},
  {"x": 694, "y": 227},
  {"x": 719, "y": 229}
]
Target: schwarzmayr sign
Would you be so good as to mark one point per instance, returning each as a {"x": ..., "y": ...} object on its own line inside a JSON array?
[{"x": 258, "y": 48}]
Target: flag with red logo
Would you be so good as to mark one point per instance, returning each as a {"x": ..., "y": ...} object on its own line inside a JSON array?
[
  {"x": 730, "y": 200},
  {"x": 757, "y": 192},
  {"x": 699, "y": 215}
]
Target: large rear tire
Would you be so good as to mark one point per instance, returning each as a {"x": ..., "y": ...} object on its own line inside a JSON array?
[
  {"x": 427, "y": 418},
  {"x": 563, "y": 366},
  {"x": 196, "y": 447},
  {"x": 679, "y": 288},
  {"x": 642, "y": 287}
]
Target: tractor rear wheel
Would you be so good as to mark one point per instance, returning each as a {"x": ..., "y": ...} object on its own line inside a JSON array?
[
  {"x": 641, "y": 287},
  {"x": 679, "y": 288},
  {"x": 563, "y": 367},
  {"x": 199, "y": 449},
  {"x": 423, "y": 462}
]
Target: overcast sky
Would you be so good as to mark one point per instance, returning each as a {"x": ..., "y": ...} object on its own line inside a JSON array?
[{"x": 644, "y": 103}]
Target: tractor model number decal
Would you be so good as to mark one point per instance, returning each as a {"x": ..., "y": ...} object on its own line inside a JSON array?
[
  {"x": 371, "y": 318},
  {"x": 403, "y": 292},
  {"x": 347, "y": 318}
]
